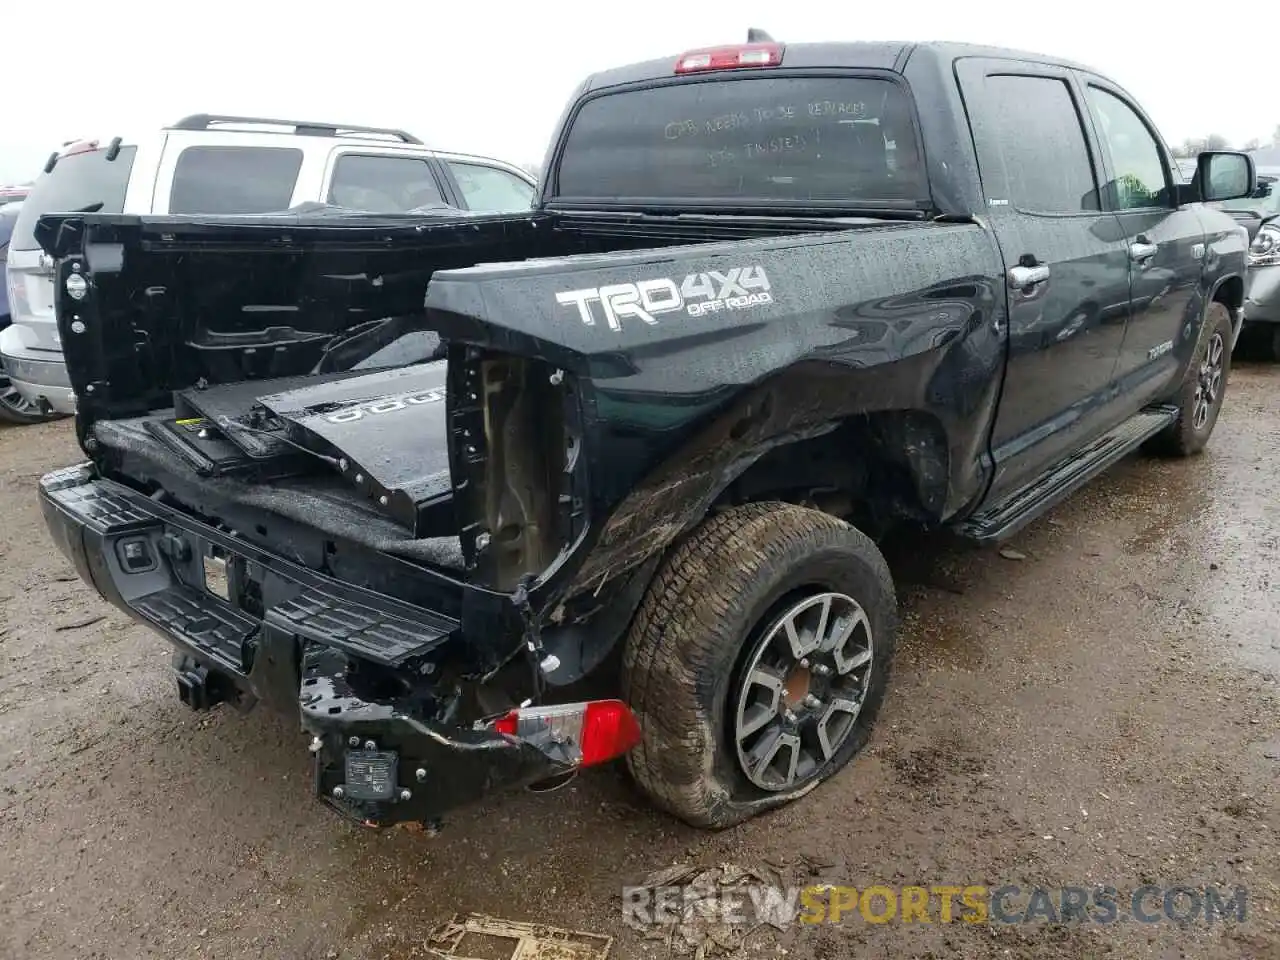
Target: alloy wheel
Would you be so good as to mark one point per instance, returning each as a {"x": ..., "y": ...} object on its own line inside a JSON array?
[
  {"x": 1208, "y": 383},
  {"x": 802, "y": 690}
]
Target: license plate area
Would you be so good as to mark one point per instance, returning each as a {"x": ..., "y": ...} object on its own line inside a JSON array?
[
  {"x": 370, "y": 774},
  {"x": 217, "y": 579},
  {"x": 39, "y": 289}
]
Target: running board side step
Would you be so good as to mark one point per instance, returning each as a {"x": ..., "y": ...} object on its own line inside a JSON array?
[{"x": 1070, "y": 474}]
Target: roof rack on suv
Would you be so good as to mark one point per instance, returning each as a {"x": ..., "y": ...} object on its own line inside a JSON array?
[{"x": 304, "y": 128}]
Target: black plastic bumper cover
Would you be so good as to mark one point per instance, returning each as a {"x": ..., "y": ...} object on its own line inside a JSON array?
[{"x": 294, "y": 652}]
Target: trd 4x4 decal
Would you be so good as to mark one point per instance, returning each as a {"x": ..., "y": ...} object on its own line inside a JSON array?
[{"x": 697, "y": 295}]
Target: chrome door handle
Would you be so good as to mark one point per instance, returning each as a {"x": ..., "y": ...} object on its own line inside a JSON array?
[
  {"x": 1022, "y": 277},
  {"x": 1140, "y": 251}
]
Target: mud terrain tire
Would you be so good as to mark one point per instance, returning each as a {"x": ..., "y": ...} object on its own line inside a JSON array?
[{"x": 714, "y": 599}]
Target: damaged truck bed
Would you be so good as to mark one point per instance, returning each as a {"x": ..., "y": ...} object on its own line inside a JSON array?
[{"x": 440, "y": 485}]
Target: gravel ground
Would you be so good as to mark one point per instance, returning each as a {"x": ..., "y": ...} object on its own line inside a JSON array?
[{"x": 1096, "y": 705}]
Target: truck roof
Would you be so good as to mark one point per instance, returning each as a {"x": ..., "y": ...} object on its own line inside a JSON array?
[{"x": 880, "y": 55}]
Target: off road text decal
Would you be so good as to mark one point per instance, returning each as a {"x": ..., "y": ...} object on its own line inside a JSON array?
[
  {"x": 697, "y": 295},
  {"x": 387, "y": 405}
]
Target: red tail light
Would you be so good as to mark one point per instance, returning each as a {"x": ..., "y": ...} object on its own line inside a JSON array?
[
  {"x": 731, "y": 58},
  {"x": 609, "y": 730},
  {"x": 601, "y": 729}
]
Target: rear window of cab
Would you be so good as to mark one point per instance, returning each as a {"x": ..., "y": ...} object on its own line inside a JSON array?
[{"x": 763, "y": 138}]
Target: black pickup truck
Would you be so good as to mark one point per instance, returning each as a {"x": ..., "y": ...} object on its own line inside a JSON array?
[{"x": 440, "y": 484}]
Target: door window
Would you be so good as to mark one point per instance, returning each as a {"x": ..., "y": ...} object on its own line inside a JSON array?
[
  {"x": 1139, "y": 169},
  {"x": 1035, "y": 136},
  {"x": 225, "y": 180},
  {"x": 491, "y": 189},
  {"x": 383, "y": 184}
]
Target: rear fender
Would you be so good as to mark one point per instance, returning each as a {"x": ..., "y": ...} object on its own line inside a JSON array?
[
  {"x": 811, "y": 403},
  {"x": 909, "y": 449}
]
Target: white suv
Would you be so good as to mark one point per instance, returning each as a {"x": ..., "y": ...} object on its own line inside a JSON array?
[{"x": 221, "y": 165}]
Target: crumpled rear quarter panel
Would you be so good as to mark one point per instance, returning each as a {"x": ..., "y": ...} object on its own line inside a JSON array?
[{"x": 894, "y": 317}]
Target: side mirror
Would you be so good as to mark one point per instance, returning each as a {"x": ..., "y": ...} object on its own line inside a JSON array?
[{"x": 1224, "y": 175}]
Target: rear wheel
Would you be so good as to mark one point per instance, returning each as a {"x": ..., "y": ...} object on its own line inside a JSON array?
[
  {"x": 1203, "y": 390},
  {"x": 14, "y": 408},
  {"x": 757, "y": 661}
]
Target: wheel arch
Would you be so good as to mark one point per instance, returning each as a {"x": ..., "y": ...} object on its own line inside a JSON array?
[
  {"x": 760, "y": 450},
  {"x": 1229, "y": 291},
  {"x": 871, "y": 469}
]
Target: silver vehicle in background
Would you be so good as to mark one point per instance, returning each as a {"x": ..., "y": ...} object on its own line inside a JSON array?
[
  {"x": 1261, "y": 214},
  {"x": 14, "y": 407}
]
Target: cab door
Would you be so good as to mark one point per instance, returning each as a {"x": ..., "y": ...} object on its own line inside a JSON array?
[
  {"x": 1164, "y": 241},
  {"x": 1067, "y": 266}
]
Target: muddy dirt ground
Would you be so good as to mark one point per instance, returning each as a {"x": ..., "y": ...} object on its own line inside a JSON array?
[{"x": 1100, "y": 706}]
